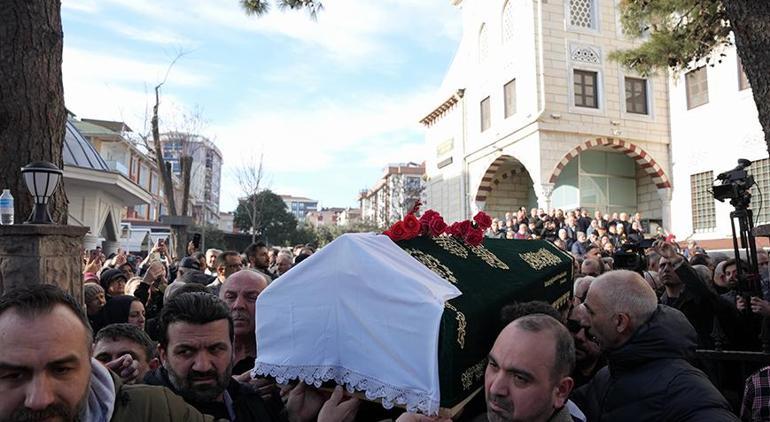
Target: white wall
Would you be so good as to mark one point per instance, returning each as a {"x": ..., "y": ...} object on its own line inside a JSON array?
[{"x": 711, "y": 137}]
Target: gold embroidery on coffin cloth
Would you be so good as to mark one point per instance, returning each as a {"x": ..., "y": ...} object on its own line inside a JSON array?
[
  {"x": 461, "y": 324},
  {"x": 434, "y": 264},
  {"x": 540, "y": 259},
  {"x": 451, "y": 245},
  {"x": 489, "y": 257},
  {"x": 473, "y": 374}
]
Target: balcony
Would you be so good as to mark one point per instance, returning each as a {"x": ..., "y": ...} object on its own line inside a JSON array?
[{"x": 118, "y": 166}]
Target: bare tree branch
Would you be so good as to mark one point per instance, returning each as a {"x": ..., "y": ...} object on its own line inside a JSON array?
[{"x": 250, "y": 177}]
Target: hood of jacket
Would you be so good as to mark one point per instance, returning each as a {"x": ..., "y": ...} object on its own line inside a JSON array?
[{"x": 666, "y": 335}]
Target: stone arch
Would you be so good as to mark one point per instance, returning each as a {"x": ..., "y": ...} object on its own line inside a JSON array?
[
  {"x": 511, "y": 177},
  {"x": 640, "y": 156}
]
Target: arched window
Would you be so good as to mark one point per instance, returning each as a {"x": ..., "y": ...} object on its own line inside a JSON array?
[
  {"x": 483, "y": 43},
  {"x": 508, "y": 21}
]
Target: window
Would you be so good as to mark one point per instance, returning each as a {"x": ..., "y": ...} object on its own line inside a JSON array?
[
  {"x": 485, "y": 114},
  {"x": 508, "y": 21},
  {"x": 144, "y": 177},
  {"x": 697, "y": 87},
  {"x": 636, "y": 95},
  {"x": 582, "y": 14},
  {"x": 743, "y": 81},
  {"x": 483, "y": 44},
  {"x": 586, "y": 89},
  {"x": 703, "y": 214},
  {"x": 760, "y": 204},
  {"x": 509, "y": 92}
]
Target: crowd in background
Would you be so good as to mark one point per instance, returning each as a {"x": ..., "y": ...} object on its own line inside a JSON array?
[{"x": 174, "y": 339}]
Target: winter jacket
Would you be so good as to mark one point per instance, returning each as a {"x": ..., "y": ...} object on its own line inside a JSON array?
[
  {"x": 140, "y": 403},
  {"x": 247, "y": 404},
  {"x": 649, "y": 378}
]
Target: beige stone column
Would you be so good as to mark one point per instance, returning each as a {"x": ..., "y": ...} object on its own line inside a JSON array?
[
  {"x": 665, "y": 201},
  {"x": 42, "y": 254},
  {"x": 544, "y": 196}
]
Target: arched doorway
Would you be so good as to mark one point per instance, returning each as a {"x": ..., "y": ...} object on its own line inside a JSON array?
[
  {"x": 505, "y": 187},
  {"x": 610, "y": 175}
]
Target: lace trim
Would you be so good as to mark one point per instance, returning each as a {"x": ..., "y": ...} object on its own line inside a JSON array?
[{"x": 374, "y": 389}]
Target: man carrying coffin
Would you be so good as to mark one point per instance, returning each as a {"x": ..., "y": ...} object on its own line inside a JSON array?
[{"x": 527, "y": 376}]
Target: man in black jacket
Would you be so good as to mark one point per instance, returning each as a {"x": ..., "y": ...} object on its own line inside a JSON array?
[{"x": 648, "y": 377}]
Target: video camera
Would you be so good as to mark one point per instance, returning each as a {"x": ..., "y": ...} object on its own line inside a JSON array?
[
  {"x": 631, "y": 256},
  {"x": 735, "y": 185}
]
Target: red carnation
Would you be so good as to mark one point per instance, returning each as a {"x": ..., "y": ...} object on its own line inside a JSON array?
[
  {"x": 474, "y": 237},
  {"x": 429, "y": 215},
  {"x": 483, "y": 220},
  {"x": 436, "y": 226},
  {"x": 396, "y": 232},
  {"x": 412, "y": 226},
  {"x": 459, "y": 229}
]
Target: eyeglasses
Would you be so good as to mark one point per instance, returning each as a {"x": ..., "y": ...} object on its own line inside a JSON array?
[{"x": 574, "y": 326}]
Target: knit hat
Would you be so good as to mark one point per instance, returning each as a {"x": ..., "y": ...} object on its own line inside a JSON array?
[{"x": 110, "y": 275}]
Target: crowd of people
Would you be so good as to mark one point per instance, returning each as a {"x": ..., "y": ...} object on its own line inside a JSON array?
[
  {"x": 574, "y": 231},
  {"x": 161, "y": 340}
]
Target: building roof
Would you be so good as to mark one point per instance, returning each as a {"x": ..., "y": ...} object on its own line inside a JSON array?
[
  {"x": 296, "y": 198},
  {"x": 91, "y": 129},
  {"x": 79, "y": 152},
  {"x": 118, "y": 127}
]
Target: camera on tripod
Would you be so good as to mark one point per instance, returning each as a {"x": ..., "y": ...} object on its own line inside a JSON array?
[{"x": 735, "y": 185}]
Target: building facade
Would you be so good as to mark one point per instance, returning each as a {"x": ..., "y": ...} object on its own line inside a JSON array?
[
  {"x": 533, "y": 113},
  {"x": 394, "y": 194},
  {"x": 139, "y": 221},
  {"x": 324, "y": 217},
  {"x": 299, "y": 206},
  {"x": 98, "y": 194},
  {"x": 714, "y": 122},
  {"x": 205, "y": 173}
]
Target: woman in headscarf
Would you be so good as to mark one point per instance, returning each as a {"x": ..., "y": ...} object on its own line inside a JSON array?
[{"x": 122, "y": 309}]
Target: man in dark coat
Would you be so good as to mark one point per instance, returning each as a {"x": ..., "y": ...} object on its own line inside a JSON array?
[{"x": 648, "y": 377}]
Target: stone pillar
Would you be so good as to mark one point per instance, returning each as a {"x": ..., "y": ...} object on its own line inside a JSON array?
[
  {"x": 109, "y": 247},
  {"x": 42, "y": 254},
  {"x": 544, "y": 196},
  {"x": 665, "y": 200}
]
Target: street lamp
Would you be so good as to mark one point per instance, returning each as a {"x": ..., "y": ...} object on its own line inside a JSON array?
[{"x": 42, "y": 178}]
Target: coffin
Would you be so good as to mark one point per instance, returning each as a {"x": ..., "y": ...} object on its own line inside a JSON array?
[{"x": 407, "y": 323}]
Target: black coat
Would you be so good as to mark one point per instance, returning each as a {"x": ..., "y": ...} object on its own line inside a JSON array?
[
  {"x": 650, "y": 379},
  {"x": 247, "y": 403}
]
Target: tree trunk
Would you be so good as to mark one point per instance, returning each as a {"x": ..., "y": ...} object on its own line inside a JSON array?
[
  {"x": 750, "y": 21},
  {"x": 166, "y": 180},
  {"x": 32, "y": 113}
]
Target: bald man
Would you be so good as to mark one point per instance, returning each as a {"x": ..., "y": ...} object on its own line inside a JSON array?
[
  {"x": 240, "y": 291},
  {"x": 647, "y": 346}
]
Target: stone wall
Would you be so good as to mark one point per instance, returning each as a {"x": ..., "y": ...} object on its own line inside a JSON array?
[{"x": 42, "y": 254}]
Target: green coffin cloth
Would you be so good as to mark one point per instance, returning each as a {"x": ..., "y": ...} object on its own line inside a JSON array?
[{"x": 495, "y": 274}]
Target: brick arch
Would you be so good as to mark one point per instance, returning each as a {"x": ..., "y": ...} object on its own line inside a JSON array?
[
  {"x": 492, "y": 178},
  {"x": 642, "y": 158}
]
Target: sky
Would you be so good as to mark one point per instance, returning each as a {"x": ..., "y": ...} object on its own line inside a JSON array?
[{"x": 327, "y": 103}]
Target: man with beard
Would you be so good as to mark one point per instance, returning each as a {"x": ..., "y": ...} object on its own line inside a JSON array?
[
  {"x": 259, "y": 259},
  {"x": 196, "y": 353},
  {"x": 588, "y": 355},
  {"x": 46, "y": 372}
]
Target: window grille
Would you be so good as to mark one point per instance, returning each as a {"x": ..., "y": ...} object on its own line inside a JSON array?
[
  {"x": 703, "y": 212},
  {"x": 581, "y": 13}
]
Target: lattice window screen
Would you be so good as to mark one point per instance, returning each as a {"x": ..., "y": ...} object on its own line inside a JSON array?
[
  {"x": 703, "y": 210},
  {"x": 582, "y": 13},
  {"x": 483, "y": 44},
  {"x": 760, "y": 204},
  {"x": 508, "y": 21}
]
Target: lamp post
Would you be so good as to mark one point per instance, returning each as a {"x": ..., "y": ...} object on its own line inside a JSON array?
[{"x": 42, "y": 178}]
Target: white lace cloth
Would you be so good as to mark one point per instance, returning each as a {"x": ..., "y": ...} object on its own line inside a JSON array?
[{"x": 361, "y": 312}]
